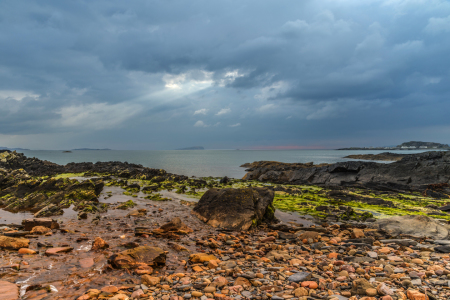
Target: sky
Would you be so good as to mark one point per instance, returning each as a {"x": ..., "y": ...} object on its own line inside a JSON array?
[{"x": 251, "y": 74}]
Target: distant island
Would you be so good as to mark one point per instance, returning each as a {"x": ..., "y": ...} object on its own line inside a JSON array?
[
  {"x": 192, "y": 148},
  {"x": 89, "y": 149},
  {"x": 413, "y": 145},
  {"x": 12, "y": 149}
]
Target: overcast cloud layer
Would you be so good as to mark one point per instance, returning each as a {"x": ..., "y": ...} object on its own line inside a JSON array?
[{"x": 223, "y": 74}]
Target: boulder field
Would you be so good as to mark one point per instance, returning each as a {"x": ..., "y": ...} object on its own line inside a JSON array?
[{"x": 113, "y": 260}]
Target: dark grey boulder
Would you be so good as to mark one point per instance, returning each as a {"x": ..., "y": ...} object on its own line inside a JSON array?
[{"x": 235, "y": 209}]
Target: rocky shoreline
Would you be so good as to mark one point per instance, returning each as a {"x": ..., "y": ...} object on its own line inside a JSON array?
[
  {"x": 416, "y": 172},
  {"x": 122, "y": 231}
]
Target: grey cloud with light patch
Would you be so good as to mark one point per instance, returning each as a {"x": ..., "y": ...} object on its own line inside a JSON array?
[{"x": 314, "y": 72}]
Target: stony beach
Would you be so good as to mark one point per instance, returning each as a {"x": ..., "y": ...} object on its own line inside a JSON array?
[{"x": 122, "y": 231}]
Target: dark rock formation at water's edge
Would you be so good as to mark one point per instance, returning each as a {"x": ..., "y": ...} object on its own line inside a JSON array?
[
  {"x": 36, "y": 167},
  {"x": 385, "y": 156},
  {"x": 413, "y": 172}
]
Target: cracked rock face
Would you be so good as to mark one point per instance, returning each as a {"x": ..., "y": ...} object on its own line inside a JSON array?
[{"x": 415, "y": 171}]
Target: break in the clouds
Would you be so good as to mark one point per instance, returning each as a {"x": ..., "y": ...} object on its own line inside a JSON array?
[{"x": 223, "y": 74}]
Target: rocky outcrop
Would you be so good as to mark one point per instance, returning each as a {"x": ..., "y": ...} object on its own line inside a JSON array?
[
  {"x": 46, "y": 197},
  {"x": 414, "y": 226},
  {"x": 235, "y": 209},
  {"x": 413, "y": 172},
  {"x": 36, "y": 167}
]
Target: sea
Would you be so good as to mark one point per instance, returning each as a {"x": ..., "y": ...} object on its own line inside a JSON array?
[{"x": 201, "y": 163}]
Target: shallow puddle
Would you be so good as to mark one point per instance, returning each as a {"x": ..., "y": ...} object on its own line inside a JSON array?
[
  {"x": 7, "y": 217},
  {"x": 286, "y": 217}
]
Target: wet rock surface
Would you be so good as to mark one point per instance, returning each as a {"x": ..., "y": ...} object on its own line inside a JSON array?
[{"x": 8, "y": 291}]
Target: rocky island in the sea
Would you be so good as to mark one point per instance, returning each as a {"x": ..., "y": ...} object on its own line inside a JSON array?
[{"x": 119, "y": 231}]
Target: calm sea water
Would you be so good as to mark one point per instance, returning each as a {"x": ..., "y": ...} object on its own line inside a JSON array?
[{"x": 199, "y": 162}]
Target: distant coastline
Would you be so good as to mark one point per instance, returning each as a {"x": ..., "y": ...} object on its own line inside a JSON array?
[
  {"x": 82, "y": 149},
  {"x": 413, "y": 145},
  {"x": 192, "y": 148}
]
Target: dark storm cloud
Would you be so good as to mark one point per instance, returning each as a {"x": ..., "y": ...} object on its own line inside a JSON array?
[{"x": 305, "y": 71}]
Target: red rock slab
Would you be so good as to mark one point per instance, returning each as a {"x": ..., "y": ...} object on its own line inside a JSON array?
[
  {"x": 86, "y": 262},
  {"x": 58, "y": 250},
  {"x": 110, "y": 289},
  {"x": 8, "y": 291},
  {"x": 26, "y": 251}
]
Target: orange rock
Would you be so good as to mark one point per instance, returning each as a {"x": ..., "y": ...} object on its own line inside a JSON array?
[
  {"x": 99, "y": 243},
  {"x": 8, "y": 291},
  {"x": 309, "y": 235},
  {"x": 26, "y": 251},
  {"x": 213, "y": 264},
  {"x": 310, "y": 284},
  {"x": 201, "y": 257},
  {"x": 197, "y": 269},
  {"x": 219, "y": 296},
  {"x": 110, "y": 289},
  {"x": 357, "y": 233},
  {"x": 300, "y": 292},
  {"x": 295, "y": 261},
  {"x": 144, "y": 269},
  {"x": 40, "y": 230},
  {"x": 416, "y": 295},
  {"x": 150, "y": 280},
  {"x": 13, "y": 243},
  {"x": 266, "y": 260},
  {"x": 333, "y": 255},
  {"x": 242, "y": 282},
  {"x": 58, "y": 250},
  {"x": 385, "y": 250}
]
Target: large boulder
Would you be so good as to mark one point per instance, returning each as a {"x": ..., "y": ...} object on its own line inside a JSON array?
[
  {"x": 416, "y": 226},
  {"x": 133, "y": 258},
  {"x": 235, "y": 209}
]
